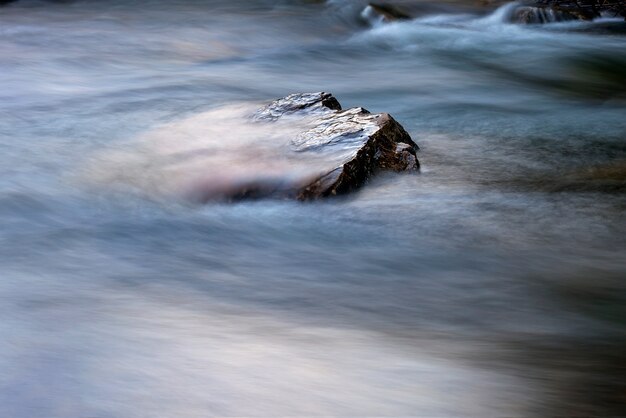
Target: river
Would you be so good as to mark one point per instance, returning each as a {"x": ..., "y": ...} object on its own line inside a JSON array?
[{"x": 490, "y": 284}]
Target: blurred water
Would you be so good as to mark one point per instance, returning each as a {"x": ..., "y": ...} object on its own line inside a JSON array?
[{"x": 492, "y": 284}]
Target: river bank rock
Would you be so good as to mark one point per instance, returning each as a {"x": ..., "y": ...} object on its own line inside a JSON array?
[
  {"x": 361, "y": 143},
  {"x": 546, "y": 11}
]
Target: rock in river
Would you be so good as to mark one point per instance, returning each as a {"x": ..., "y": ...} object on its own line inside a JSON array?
[
  {"x": 385, "y": 13},
  {"x": 303, "y": 146},
  {"x": 359, "y": 142}
]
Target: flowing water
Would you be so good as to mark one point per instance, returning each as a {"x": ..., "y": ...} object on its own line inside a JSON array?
[{"x": 490, "y": 284}]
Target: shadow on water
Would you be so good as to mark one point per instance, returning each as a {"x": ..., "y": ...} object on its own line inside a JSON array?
[{"x": 592, "y": 76}]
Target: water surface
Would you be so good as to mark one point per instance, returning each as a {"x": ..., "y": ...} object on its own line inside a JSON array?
[{"x": 491, "y": 284}]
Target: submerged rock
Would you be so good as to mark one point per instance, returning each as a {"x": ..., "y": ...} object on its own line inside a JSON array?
[{"x": 358, "y": 143}]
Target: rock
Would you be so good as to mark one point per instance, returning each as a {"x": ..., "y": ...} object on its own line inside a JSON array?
[
  {"x": 359, "y": 142},
  {"x": 305, "y": 102},
  {"x": 540, "y": 14},
  {"x": 302, "y": 147},
  {"x": 375, "y": 13},
  {"x": 547, "y": 11},
  {"x": 558, "y": 10}
]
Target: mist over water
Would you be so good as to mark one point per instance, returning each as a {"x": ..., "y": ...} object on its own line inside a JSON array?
[{"x": 490, "y": 284}]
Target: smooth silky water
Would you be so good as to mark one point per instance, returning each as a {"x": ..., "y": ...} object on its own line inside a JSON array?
[{"x": 491, "y": 284}]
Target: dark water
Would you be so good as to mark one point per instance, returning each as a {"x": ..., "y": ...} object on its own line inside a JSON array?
[{"x": 492, "y": 284}]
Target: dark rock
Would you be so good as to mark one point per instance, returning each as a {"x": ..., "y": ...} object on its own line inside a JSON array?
[
  {"x": 305, "y": 102},
  {"x": 541, "y": 14},
  {"x": 361, "y": 143},
  {"x": 547, "y": 11},
  {"x": 375, "y": 12},
  {"x": 583, "y": 10}
]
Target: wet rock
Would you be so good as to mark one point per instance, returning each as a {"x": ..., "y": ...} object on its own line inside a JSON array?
[
  {"x": 540, "y": 14},
  {"x": 546, "y": 11},
  {"x": 302, "y": 146},
  {"x": 303, "y": 103},
  {"x": 361, "y": 143},
  {"x": 375, "y": 13}
]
